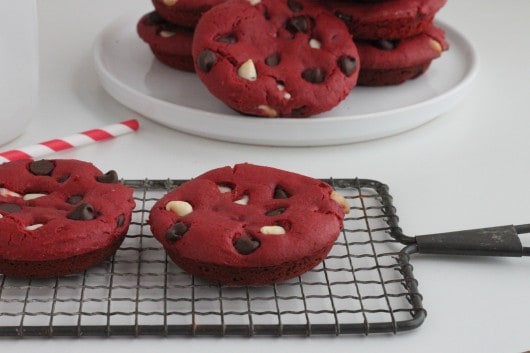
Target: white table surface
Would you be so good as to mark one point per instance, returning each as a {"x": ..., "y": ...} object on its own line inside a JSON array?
[{"x": 466, "y": 169}]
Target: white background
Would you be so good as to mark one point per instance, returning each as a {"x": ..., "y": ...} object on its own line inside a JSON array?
[{"x": 468, "y": 168}]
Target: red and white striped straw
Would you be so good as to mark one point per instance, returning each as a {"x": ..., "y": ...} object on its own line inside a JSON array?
[{"x": 76, "y": 140}]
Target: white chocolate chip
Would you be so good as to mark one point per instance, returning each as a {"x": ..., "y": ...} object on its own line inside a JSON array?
[
  {"x": 33, "y": 196},
  {"x": 273, "y": 230},
  {"x": 1, "y": 216},
  {"x": 34, "y": 226},
  {"x": 254, "y": 2},
  {"x": 6, "y": 192},
  {"x": 436, "y": 46},
  {"x": 243, "y": 200},
  {"x": 247, "y": 71},
  {"x": 281, "y": 87},
  {"x": 223, "y": 188},
  {"x": 315, "y": 43},
  {"x": 166, "y": 34},
  {"x": 270, "y": 112},
  {"x": 335, "y": 196},
  {"x": 170, "y": 2},
  {"x": 180, "y": 208}
]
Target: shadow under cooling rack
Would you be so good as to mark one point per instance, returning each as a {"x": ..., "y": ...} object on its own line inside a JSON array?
[{"x": 364, "y": 286}]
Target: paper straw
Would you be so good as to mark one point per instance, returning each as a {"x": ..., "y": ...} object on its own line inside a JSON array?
[{"x": 76, "y": 140}]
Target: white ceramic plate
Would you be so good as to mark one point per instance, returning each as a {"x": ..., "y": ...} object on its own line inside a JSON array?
[{"x": 130, "y": 73}]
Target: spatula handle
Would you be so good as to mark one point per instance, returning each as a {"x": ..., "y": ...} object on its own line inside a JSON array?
[{"x": 494, "y": 241}]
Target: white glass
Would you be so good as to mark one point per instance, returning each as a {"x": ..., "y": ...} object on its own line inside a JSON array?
[{"x": 18, "y": 66}]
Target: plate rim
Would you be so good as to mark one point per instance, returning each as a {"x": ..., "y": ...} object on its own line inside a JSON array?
[{"x": 107, "y": 78}]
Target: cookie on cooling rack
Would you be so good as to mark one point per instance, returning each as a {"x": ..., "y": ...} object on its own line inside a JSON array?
[
  {"x": 248, "y": 224},
  {"x": 391, "y": 62},
  {"x": 59, "y": 217},
  {"x": 170, "y": 43},
  {"x": 275, "y": 58}
]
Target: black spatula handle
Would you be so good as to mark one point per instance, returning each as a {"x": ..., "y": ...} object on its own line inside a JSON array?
[{"x": 494, "y": 241}]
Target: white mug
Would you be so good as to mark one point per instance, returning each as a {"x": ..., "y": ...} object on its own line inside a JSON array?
[{"x": 18, "y": 66}]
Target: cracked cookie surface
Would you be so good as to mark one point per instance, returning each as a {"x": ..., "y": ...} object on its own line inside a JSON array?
[
  {"x": 248, "y": 224},
  {"x": 275, "y": 58},
  {"x": 59, "y": 216},
  {"x": 390, "y": 19}
]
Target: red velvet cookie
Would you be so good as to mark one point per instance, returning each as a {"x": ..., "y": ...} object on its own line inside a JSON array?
[
  {"x": 185, "y": 13},
  {"x": 275, "y": 58},
  {"x": 170, "y": 43},
  {"x": 248, "y": 225},
  {"x": 59, "y": 217},
  {"x": 391, "y": 62},
  {"x": 391, "y": 19}
]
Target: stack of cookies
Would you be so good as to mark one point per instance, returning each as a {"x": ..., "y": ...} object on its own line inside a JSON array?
[
  {"x": 271, "y": 58},
  {"x": 396, "y": 39},
  {"x": 169, "y": 30},
  {"x": 293, "y": 58}
]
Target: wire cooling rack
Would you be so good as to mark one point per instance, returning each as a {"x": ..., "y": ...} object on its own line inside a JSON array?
[{"x": 364, "y": 286}]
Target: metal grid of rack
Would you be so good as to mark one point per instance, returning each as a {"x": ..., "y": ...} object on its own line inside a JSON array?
[{"x": 364, "y": 286}]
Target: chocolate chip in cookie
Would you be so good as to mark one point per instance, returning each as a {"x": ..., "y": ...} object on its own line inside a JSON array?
[
  {"x": 83, "y": 212},
  {"x": 246, "y": 245},
  {"x": 176, "y": 232},
  {"x": 10, "y": 207},
  {"x": 109, "y": 177},
  {"x": 42, "y": 167}
]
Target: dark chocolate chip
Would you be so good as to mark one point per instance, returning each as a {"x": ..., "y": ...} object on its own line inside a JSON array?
[
  {"x": 246, "y": 245},
  {"x": 206, "y": 60},
  {"x": 384, "y": 44},
  {"x": 347, "y": 65},
  {"x": 229, "y": 39},
  {"x": 266, "y": 14},
  {"x": 109, "y": 177},
  {"x": 295, "y": 6},
  {"x": 280, "y": 193},
  {"x": 343, "y": 16},
  {"x": 176, "y": 231},
  {"x": 272, "y": 60},
  {"x": 154, "y": 19},
  {"x": 276, "y": 212},
  {"x": 10, "y": 207},
  {"x": 120, "y": 220},
  {"x": 42, "y": 167},
  {"x": 72, "y": 200},
  {"x": 168, "y": 27},
  {"x": 299, "y": 111},
  {"x": 313, "y": 75},
  {"x": 83, "y": 212},
  {"x": 298, "y": 24},
  {"x": 63, "y": 178}
]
